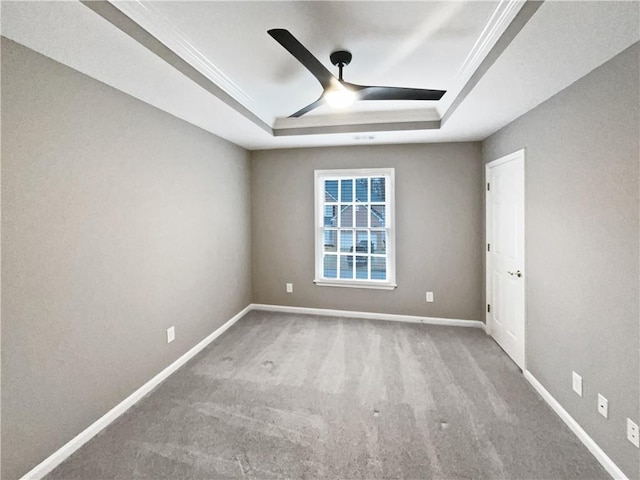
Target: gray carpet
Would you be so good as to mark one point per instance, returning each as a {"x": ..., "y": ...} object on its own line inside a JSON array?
[{"x": 298, "y": 396}]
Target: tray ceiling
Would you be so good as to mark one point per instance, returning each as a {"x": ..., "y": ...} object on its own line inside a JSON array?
[{"x": 214, "y": 65}]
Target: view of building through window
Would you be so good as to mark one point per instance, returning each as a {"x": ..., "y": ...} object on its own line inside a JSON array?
[{"x": 355, "y": 226}]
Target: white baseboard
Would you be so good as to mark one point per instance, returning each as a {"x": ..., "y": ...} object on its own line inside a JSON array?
[
  {"x": 96, "y": 427},
  {"x": 369, "y": 316},
  {"x": 575, "y": 427},
  {"x": 83, "y": 437}
]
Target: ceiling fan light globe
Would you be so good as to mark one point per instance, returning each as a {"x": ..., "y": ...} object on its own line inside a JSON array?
[{"x": 340, "y": 98}]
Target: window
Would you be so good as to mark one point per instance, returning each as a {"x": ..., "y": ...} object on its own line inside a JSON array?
[{"x": 355, "y": 234}]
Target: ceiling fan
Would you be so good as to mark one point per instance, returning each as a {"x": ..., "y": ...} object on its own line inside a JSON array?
[{"x": 338, "y": 93}]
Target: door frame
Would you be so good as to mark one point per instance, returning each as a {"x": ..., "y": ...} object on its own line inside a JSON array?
[{"x": 519, "y": 154}]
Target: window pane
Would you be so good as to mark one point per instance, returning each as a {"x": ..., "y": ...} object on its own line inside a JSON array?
[
  {"x": 330, "y": 216},
  {"x": 362, "y": 270},
  {"x": 330, "y": 266},
  {"x": 362, "y": 212},
  {"x": 377, "y": 189},
  {"x": 362, "y": 187},
  {"x": 378, "y": 216},
  {"x": 330, "y": 240},
  {"x": 362, "y": 241},
  {"x": 331, "y": 191},
  {"x": 379, "y": 241},
  {"x": 346, "y": 216},
  {"x": 347, "y": 190},
  {"x": 346, "y": 266},
  {"x": 346, "y": 241},
  {"x": 362, "y": 261},
  {"x": 378, "y": 268}
]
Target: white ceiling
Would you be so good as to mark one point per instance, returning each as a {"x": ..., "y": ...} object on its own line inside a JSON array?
[
  {"x": 392, "y": 44},
  {"x": 435, "y": 45}
]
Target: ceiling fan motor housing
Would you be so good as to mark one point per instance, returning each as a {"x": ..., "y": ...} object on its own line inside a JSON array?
[{"x": 340, "y": 58}]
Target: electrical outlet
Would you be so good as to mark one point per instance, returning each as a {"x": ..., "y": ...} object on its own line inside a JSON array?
[
  {"x": 289, "y": 287},
  {"x": 171, "y": 334},
  {"x": 632, "y": 433},
  {"x": 603, "y": 406},
  {"x": 577, "y": 383},
  {"x": 429, "y": 297}
]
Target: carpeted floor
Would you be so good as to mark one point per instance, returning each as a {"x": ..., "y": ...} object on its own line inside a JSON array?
[{"x": 296, "y": 396}]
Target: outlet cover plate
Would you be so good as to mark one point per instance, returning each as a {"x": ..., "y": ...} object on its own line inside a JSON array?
[
  {"x": 171, "y": 334},
  {"x": 603, "y": 406},
  {"x": 633, "y": 434},
  {"x": 429, "y": 297},
  {"x": 577, "y": 383},
  {"x": 289, "y": 287}
]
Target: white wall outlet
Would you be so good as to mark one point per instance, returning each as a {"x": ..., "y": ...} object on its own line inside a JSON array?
[
  {"x": 171, "y": 334},
  {"x": 577, "y": 383},
  {"x": 603, "y": 406},
  {"x": 289, "y": 287},
  {"x": 633, "y": 435},
  {"x": 429, "y": 297}
]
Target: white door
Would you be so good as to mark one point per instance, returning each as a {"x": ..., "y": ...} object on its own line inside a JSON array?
[{"x": 505, "y": 254}]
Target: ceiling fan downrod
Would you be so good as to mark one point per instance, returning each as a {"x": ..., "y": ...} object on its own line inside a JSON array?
[{"x": 340, "y": 58}]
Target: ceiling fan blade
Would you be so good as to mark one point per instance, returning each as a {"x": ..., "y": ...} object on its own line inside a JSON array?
[
  {"x": 308, "y": 108},
  {"x": 304, "y": 56},
  {"x": 395, "y": 93}
]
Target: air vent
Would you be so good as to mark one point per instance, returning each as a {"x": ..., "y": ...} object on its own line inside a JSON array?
[{"x": 364, "y": 137}]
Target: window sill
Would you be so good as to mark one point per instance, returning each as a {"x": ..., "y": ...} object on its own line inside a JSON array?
[{"x": 355, "y": 284}]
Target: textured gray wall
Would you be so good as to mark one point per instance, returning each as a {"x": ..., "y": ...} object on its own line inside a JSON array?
[
  {"x": 118, "y": 221},
  {"x": 438, "y": 222},
  {"x": 582, "y": 256}
]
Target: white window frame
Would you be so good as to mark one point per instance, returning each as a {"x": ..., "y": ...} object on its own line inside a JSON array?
[{"x": 319, "y": 178}]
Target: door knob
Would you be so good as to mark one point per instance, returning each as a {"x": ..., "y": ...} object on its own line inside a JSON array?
[{"x": 517, "y": 273}]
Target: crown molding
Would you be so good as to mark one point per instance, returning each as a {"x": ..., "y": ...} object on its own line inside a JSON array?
[
  {"x": 149, "y": 18},
  {"x": 513, "y": 21},
  {"x": 502, "y": 16},
  {"x": 500, "y": 19}
]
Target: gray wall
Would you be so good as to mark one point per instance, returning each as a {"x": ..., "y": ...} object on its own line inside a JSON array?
[
  {"x": 582, "y": 206},
  {"x": 438, "y": 222},
  {"x": 118, "y": 221}
]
